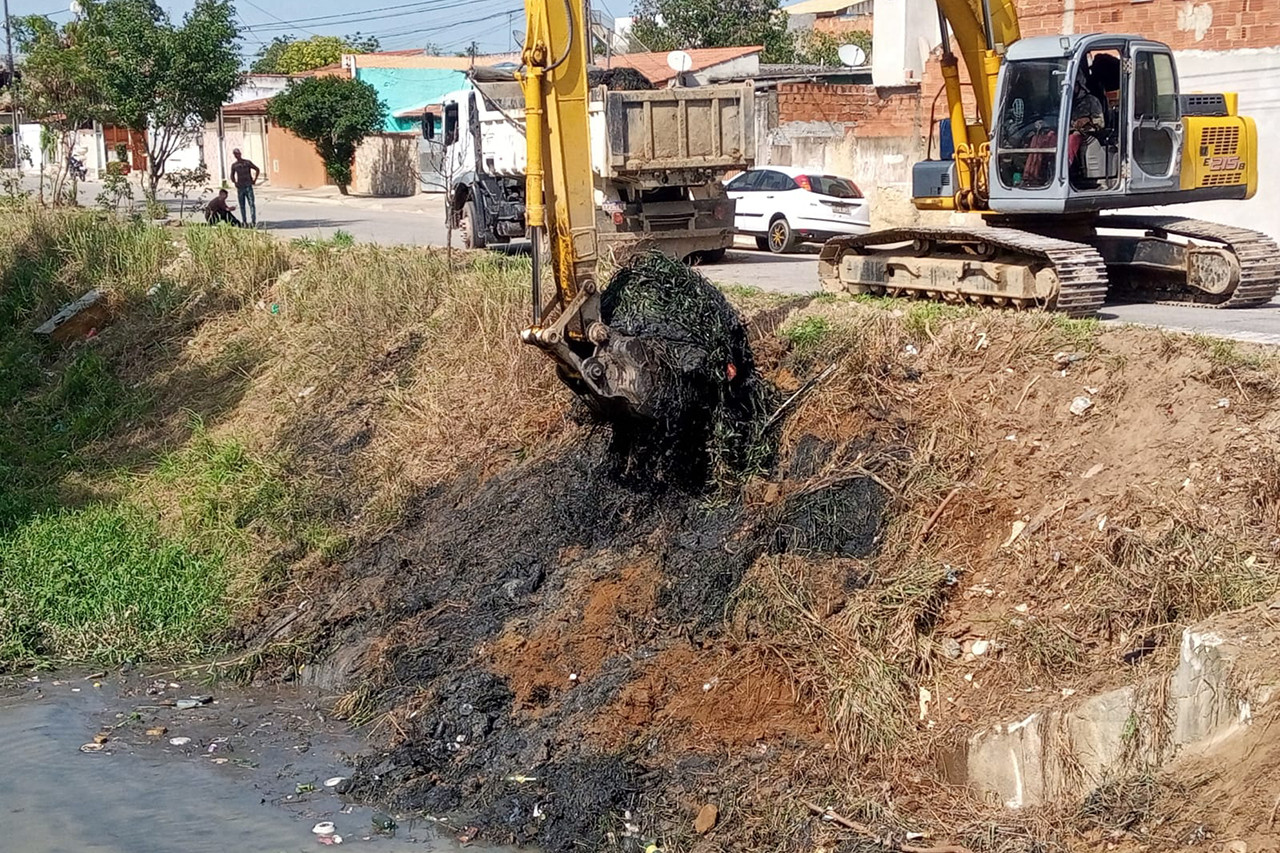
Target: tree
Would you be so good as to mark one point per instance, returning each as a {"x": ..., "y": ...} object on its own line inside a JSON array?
[
  {"x": 59, "y": 87},
  {"x": 287, "y": 55},
  {"x": 683, "y": 24},
  {"x": 160, "y": 80},
  {"x": 334, "y": 114},
  {"x": 814, "y": 48}
]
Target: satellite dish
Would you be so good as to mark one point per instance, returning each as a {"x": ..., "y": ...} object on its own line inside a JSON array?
[
  {"x": 852, "y": 56},
  {"x": 679, "y": 61}
]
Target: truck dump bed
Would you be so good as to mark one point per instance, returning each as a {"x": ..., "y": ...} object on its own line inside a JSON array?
[
  {"x": 703, "y": 129},
  {"x": 662, "y": 137}
]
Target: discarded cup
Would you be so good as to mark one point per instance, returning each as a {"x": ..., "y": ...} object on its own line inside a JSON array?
[{"x": 324, "y": 827}]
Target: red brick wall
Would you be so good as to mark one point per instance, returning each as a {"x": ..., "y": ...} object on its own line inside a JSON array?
[
  {"x": 872, "y": 111},
  {"x": 1230, "y": 23},
  {"x": 838, "y": 26}
]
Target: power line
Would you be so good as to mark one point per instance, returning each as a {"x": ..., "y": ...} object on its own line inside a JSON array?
[
  {"x": 277, "y": 17},
  {"x": 436, "y": 28},
  {"x": 356, "y": 17}
]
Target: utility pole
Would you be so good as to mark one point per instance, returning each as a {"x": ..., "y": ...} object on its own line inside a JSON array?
[{"x": 13, "y": 89}]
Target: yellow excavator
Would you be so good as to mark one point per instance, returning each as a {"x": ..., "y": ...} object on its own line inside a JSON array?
[
  {"x": 606, "y": 368},
  {"x": 1067, "y": 127}
]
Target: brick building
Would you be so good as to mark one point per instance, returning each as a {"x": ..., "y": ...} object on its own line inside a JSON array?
[{"x": 875, "y": 132}]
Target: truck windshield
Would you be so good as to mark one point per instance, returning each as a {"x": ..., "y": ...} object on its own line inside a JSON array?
[{"x": 1027, "y": 147}]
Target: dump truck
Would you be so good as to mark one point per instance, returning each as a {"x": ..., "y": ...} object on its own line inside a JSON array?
[{"x": 657, "y": 161}]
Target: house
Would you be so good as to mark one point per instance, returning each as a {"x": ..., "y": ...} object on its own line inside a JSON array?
[
  {"x": 706, "y": 64},
  {"x": 409, "y": 80},
  {"x": 834, "y": 17}
]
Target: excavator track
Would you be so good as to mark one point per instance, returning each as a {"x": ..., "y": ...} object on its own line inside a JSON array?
[
  {"x": 1257, "y": 254},
  {"x": 1080, "y": 273}
]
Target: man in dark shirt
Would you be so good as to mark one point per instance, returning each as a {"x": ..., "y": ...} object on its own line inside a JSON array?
[
  {"x": 217, "y": 210},
  {"x": 244, "y": 175}
]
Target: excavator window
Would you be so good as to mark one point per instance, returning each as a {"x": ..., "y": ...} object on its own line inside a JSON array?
[
  {"x": 1027, "y": 147},
  {"x": 1155, "y": 107}
]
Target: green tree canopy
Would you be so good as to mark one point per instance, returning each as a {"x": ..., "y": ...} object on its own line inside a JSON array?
[
  {"x": 332, "y": 113},
  {"x": 58, "y": 84},
  {"x": 662, "y": 25},
  {"x": 288, "y": 55},
  {"x": 159, "y": 79}
]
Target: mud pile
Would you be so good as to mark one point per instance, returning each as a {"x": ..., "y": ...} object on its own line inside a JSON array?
[
  {"x": 709, "y": 410},
  {"x": 554, "y": 653}
]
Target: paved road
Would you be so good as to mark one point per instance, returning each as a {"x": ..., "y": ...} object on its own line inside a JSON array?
[{"x": 420, "y": 221}]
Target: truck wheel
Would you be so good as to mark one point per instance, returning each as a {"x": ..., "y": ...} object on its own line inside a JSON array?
[
  {"x": 709, "y": 256},
  {"x": 762, "y": 243},
  {"x": 467, "y": 223},
  {"x": 781, "y": 237}
]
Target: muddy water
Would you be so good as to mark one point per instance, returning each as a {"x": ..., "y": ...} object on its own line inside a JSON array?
[{"x": 234, "y": 787}]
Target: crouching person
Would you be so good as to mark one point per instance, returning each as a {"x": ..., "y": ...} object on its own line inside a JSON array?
[{"x": 218, "y": 211}]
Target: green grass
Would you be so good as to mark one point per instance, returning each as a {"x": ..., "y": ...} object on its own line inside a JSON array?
[
  {"x": 806, "y": 334},
  {"x": 103, "y": 584},
  {"x": 1076, "y": 334},
  {"x": 1227, "y": 354}
]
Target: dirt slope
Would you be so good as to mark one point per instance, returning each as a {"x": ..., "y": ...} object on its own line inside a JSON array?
[{"x": 560, "y": 655}]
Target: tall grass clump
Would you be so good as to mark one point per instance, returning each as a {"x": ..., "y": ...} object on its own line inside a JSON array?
[{"x": 103, "y": 584}]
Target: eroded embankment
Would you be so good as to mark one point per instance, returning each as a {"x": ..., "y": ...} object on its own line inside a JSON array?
[{"x": 399, "y": 505}]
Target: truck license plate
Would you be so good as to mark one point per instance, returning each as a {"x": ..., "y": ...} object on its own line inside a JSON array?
[{"x": 611, "y": 207}]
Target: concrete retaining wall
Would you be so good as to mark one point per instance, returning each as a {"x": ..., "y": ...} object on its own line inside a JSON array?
[{"x": 1066, "y": 750}]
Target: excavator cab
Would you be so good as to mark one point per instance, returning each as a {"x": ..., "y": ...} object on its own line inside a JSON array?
[
  {"x": 1089, "y": 123},
  {"x": 1082, "y": 119}
]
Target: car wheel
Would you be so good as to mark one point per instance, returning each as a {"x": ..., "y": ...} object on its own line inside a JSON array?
[
  {"x": 471, "y": 239},
  {"x": 781, "y": 237},
  {"x": 762, "y": 243}
]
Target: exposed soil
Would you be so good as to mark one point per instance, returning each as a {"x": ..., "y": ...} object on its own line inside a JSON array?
[{"x": 574, "y": 659}]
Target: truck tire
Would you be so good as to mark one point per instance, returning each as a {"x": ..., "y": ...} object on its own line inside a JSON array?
[
  {"x": 709, "y": 256},
  {"x": 781, "y": 238},
  {"x": 468, "y": 222}
]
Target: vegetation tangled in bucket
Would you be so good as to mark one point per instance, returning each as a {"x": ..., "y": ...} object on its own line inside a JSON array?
[{"x": 715, "y": 406}]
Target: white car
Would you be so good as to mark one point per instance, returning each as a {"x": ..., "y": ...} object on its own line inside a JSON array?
[{"x": 781, "y": 206}]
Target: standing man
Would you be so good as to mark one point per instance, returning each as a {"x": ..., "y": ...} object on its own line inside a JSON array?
[{"x": 244, "y": 174}]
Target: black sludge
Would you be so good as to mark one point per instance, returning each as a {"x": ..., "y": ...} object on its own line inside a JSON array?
[{"x": 708, "y": 407}]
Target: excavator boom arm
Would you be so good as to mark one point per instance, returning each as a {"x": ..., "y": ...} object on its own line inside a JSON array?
[{"x": 559, "y": 189}]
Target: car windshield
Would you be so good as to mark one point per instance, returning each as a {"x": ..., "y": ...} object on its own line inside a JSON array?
[{"x": 833, "y": 186}]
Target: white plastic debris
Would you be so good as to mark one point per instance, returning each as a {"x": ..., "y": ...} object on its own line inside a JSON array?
[
  {"x": 324, "y": 827},
  {"x": 1224, "y": 403},
  {"x": 1080, "y": 405},
  {"x": 573, "y": 676},
  {"x": 179, "y": 741},
  {"x": 911, "y": 349},
  {"x": 334, "y": 781},
  {"x": 980, "y": 647}
]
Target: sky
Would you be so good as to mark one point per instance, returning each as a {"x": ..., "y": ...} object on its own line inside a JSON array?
[{"x": 449, "y": 24}]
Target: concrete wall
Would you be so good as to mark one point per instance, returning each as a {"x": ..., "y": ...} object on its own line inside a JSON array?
[
  {"x": 401, "y": 88},
  {"x": 901, "y": 25},
  {"x": 387, "y": 166}
]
